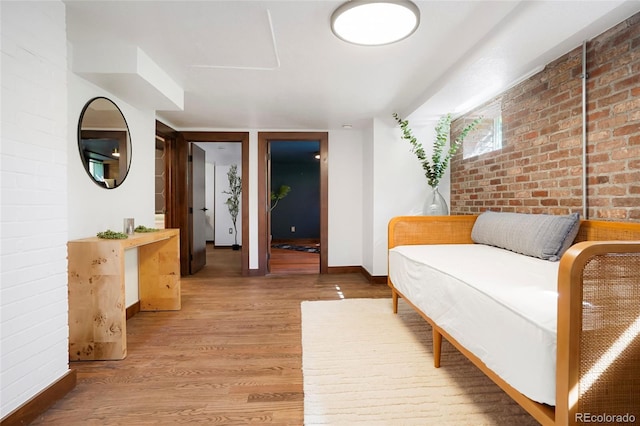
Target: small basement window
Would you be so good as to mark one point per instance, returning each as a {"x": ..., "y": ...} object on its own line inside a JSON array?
[{"x": 488, "y": 135}]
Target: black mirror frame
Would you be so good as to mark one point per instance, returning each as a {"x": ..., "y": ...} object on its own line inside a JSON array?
[{"x": 80, "y": 148}]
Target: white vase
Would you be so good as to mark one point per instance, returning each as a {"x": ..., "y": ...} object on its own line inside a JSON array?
[{"x": 435, "y": 204}]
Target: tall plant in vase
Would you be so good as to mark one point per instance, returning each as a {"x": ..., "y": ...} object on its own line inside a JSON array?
[
  {"x": 233, "y": 202},
  {"x": 435, "y": 167}
]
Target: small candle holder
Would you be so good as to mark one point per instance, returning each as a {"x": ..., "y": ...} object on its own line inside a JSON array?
[{"x": 129, "y": 226}]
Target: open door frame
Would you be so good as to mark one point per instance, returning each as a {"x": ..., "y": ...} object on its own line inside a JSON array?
[
  {"x": 263, "y": 192},
  {"x": 180, "y": 190},
  {"x": 169, "y": 136}
]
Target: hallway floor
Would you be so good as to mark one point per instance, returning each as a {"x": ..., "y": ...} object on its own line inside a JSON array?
[{"x": 231, "y": 355}]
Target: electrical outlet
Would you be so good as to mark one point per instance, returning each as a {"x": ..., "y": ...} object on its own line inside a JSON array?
[
  {"x": 231, "y": 230},
  {"x": 293, "y": 229}
]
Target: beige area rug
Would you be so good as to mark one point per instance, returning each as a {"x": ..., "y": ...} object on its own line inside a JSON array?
[{"x": 364, "y": 365}]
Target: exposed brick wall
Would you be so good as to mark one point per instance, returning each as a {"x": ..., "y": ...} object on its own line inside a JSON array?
[{"x": 539, "y": 169}]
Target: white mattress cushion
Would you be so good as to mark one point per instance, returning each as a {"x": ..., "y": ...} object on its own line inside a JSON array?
[{"x": 500, "y": 305}]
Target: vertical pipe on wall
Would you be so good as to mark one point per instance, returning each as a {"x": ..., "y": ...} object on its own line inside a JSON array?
[{"x": 584, "y": 77}]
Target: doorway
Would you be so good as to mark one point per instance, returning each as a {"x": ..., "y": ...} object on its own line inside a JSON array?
[
  {"x": 209, "y": 141},
  {"x": 265, "y": 139},
  {"x": 179, "y": 189},
  {"x": 295, "y": 207},
  {"x": 216, "y": 225}
]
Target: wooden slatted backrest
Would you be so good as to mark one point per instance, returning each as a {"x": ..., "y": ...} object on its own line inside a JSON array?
[
  {"x": 600, "y": 230},
  {"x": 409, "y": 230}
]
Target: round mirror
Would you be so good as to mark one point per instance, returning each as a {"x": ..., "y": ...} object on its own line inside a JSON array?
[{"x": 104, "y": 142}]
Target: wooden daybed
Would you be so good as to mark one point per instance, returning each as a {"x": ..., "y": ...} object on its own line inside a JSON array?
[{"x": 601, "y": 268}]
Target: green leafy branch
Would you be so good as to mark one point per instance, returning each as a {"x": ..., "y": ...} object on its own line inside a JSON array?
[
  {"x": 282, "y": 192},
  {"x": 434, "y": 169}
]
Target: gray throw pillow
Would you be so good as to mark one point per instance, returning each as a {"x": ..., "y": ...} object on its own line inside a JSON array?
[{"x": 539, "y": 235}]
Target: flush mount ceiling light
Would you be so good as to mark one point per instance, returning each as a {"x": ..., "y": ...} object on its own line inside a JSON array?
[{"x": 375, "y": 22}]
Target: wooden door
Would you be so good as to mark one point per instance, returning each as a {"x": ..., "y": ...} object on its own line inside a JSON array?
[{"x": 197, "y": 209}]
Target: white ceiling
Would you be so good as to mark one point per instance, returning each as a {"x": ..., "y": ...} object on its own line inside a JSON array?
[
  {"x": 276, "y": 64},
  {"x": 222, "y": 153}
]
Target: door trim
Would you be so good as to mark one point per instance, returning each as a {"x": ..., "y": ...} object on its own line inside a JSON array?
[
  {"x": 264, "y": 201},
  {"x": 170, "y": 140}
]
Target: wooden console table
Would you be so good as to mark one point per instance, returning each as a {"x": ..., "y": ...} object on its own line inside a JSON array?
[{"x": 97, "y": 311}]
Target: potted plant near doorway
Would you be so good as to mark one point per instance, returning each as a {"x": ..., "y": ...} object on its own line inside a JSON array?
[{"x": 233, "y": 202}]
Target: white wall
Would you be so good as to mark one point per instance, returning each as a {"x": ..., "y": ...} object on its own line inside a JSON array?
[
  {"x": 367, "y": 212},
  {"x": 91, "y": 208},
  {"x": 33, "y": 152},
  {"x": 345, "y": 198},
  {"x": 253, "y": 199},
  {"x": 399, "y": 186}
]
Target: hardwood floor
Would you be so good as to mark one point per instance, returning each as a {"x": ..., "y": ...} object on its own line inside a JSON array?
[
  {"x": 232, "y": 355},
  {"x": 291, "y": 261}
]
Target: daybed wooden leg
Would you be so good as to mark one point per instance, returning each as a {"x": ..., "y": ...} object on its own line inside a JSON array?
[
  {"x": 437, "y": 347},
  {"x": 394, "y": 301}
]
